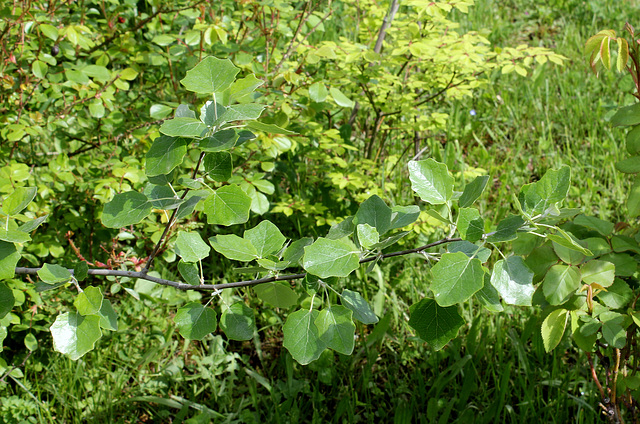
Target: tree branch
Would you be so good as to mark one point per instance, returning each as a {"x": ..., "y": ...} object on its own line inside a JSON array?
[{"x": 246, "y": 283}]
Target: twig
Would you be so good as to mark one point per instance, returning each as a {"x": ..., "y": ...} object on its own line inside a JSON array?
[
  {"x": 386, "y": 23},
  {"x": 247, "y": 283}
]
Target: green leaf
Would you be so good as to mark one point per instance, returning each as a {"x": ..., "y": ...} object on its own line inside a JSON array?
[
  {"x": 18, "y": 200},
  {"x": 456, "y": 278},
  {"x": 367, "y": 235},
  {"x": 302, "y": 337},
  {"x": 7, "y": 300},
  {"x": 566, "y": 239},
  {"x": 229, "y": 205},
  {"x": 629, "y": 165},
  {"x": 470, "y": 249},
  {"x": 294, "y": 253},
  {"x": 39, "y": 69},
  {"x": 189, "y": 272},
  {"x": 126, "y": 209},
  {"x": 30, "y": 342},
  {"x": 584, "y": 329},
  {"x": 190, "y": 246},
  {"x": 539, "y": 197},
  {"x": 603, "y": 227},
  {"x": 159, "y": 111},
  {"x": 567, "y": 255},
  {"x": 330, "y": 258},
  {"x": 193, "y": 198},
  {"x": 623, "y": 54},
  {"x": 618, "y": 295},
  {"x": 336, "y": 329},
  {"x": 210, "y": 75},
  {"x": 340, "y": 98},
  {"x": 470, "y": 224},
  {"x": 633, "y": 199},
  {"x": 238, "y": 322},
  {"x": 633, "y": 140},
  {"x": 266, "y": 238},
  {"x": 242, "y": 88},
  {"x": 31, "y": 225},
  {"x": 184, "y": 127},
  {"x": 14, "y": 236},
  {"x": 220, "y": 141},
  {"x": 49, "y": 31},
  {"x": 195, "y": 321},
  {"x": 342, "y": 229},
  {"x": 401, "y": 216},
  {"x": 598, "y": 272},
  {"x": 234, "y": 247},
  {"x": 431, "y": 181},
  {"x": 267, "y": 128},
  {"x": 80, "y": 270},
  {"x": 489, "y": 296},
  {"x": 434, "y": 324},
  {"x": 218, "y": 166},
  {"x": 165, "y": 154},
  {"x": 277, "y": 294},
  {"x": 246, "y": 112},
  {"x": 374, "y": 212},
  {"x": 627, "y": 116},
  {"x": 553, "y": 328},
  {"x": 361, "y": 309},
  {"x": 513, "y": 279},
  {"x": 89, "y": 301},
  {"x": 507, "y": 229},
  {"x": 108, "y": 317},
  {"x": 52, "y": 274},
  {"x": 560, "y": 283},
  {"x": 472, "y": 191},
  {"x": 210, "y": 112},
  {"x": 162, "y": 197},
  {"x": 613, "y": 329},
  {"x": 75, "y": 335},
  {"x": 9, "y": 257},
  {"x": 318, "y": 92}
]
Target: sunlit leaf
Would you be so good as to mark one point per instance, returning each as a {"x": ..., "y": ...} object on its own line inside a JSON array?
[
  {"x": 126, "y": 209},
  {"x": 553, "y": 328},
  {"x": 431, "y": 181},
  {"x": 195, "y": 321},
  {"x": 210, "y": 75},
  {"x": 456, "y": 277},
  {"x": 330, "y": 258},
  {"x": 302, "y": 337},
  {"x": 75, "y": 335}
]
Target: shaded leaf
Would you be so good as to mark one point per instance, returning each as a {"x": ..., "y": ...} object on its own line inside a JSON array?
[
  {"x": 302, "y": 337},
  {"x": 229, "y": 205},
  {"x": 434, "y": 324},
  {"x": 375, "y": 212},
  {"x": 277, "y": 294},
  {"x": 165, "y": 154},
  {"x": 194, "y": 321},
  {"x": 361, "y": 309},
  {"x": 472, "y": 191},
  {"x": 238, "y": 322},
  {"x": 336, "y": 329},
  {"x": 7, "y": 300},
  {"x": 9, "y": 257}
]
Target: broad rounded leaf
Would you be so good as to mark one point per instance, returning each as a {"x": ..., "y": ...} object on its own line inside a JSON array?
[
  {"x": 472, "y": 191},
  {"x": 189, "y": 272},
  {"x": 165, "y": 154},
  {"x": 266, "y": 238},
  {"x": 367, "y": 235},
  {"x": 9, "y": 257},
  {"x": 375, "y": 212},
  {"x": 218, "y": 166},
  {"x": 194, "y": 321},
  {"x": 108, "y": 317},
  {"x": 627, "y": 116},
  {"x": 361, "y": 309},
  {"x": 336, "y": 329},
  {"x": 89, "y": 301},
  {"x": 613, "y": 329},
  {"x": 456, "y": 277},
  {"x": 53, "y": 274},
  {"x": 431, "y": 181},
  {"x": 18, "y": 200},
  {"x": 210, "y": 75},
  {"x": 126, "y": 209},
  {"x": 7, "y": 300},
  {"x": 598, "y": 272},
  {"x": 560, "y": 283},
  {"x": 489, "y": 296},
  {"x": 219, "y": 141},
  {"x": 434, "y": 324},
  {"x": 234, "y": 247},
  {"x": 340, "y": 98},
  {"x": 513, "y": 279},
  {"x": 302, "y": 337},
  {"x": 75, "y": 335},
  {"x": 277, "y": 294},
  {"x": 553, "y": 328},
  {"x": 229, "y": 205},
  {"x": 190, "y": 246},
  {"x": 330, "y": 258},
  {"x": 184, "y": 127},
  {"x": 238, "y": 322},
  {"x": 318, "y": 92},
  {"x": 14, "y": 236},
  {"x": 470, "y": 224}
]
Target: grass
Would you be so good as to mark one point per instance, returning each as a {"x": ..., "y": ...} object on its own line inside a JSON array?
[{"x": 496, "y": 372}]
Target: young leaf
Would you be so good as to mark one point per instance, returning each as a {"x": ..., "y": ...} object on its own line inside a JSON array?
[
  {"x": 9, "y": 257},
  {"x": 336, "y": 329},
  {"x": 238, "y": 322},
  {"x": 367, "y": 235},
  {"x": 190, "y": 246},
  {"x": 266, "y": 238},
  {"x": 165, "y": 154},
  {"x": 302, "y": 337},
  {"x": 456, "y": 278},
  {"x": 513, "y": 279},
  {"x": 623, "y": 54},
  {"x": 89, "y": 301},
  {"x": 472, "y": 191},
  {"x": 234, "y": 247},
  {"x": 330, "y": 258},
  {"x": 75, "y": 335},
  {"x": 431, "y": 181},
  {"x": 434, "y": 324},
  {"x": 52, "y": 274},
  {"x": 374, "y": 212},
  {"x": 229, "y": 205},
  {"x": 7, "y": 300},
  {"x": 318, "y": 92},
  {"x": 126, "y": 209},
  {"x": 18, "y": 200},
  {"x": 560, "y": 283},
  {"x": 553, "y": 328},
  {"x": 277, "y": 294},
  {"x": 218, "y": 166},
  {"x": 184, "y": 127},
  {"x": 210, "y": 75},
  {"x": 361, "y": 309},
  {"x": 194, "y": 321}
]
